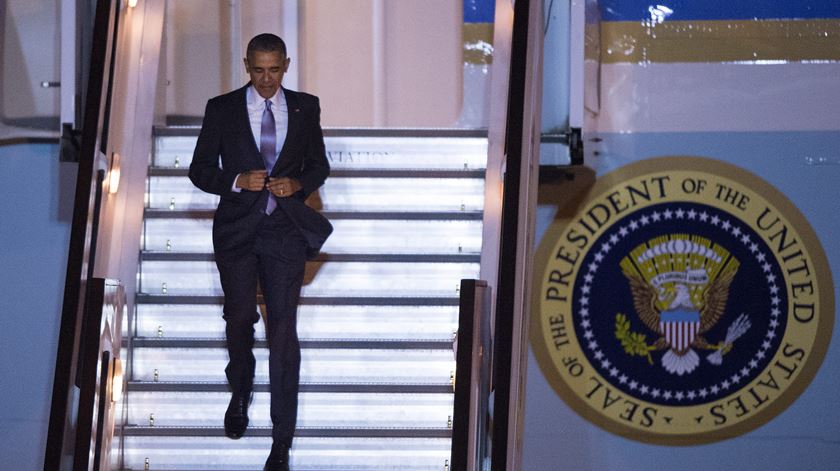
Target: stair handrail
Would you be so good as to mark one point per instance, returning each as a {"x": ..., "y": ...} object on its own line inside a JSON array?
[
  {"x": 473, "y": 383},
  {"x": 63, "y": 426},
  {"x": 101, "y": 374}
]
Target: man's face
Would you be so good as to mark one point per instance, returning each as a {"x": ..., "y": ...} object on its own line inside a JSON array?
[{"x": 266, "y": 70}]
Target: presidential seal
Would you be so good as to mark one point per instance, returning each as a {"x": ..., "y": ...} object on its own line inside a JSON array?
[{"x": 682, "y": 301}]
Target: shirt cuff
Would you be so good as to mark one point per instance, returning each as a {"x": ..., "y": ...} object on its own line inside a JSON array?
[{"x": 235, "y": 188}]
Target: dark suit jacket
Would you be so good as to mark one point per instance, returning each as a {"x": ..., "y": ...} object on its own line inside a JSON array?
[{"x": 226, "y": 135}]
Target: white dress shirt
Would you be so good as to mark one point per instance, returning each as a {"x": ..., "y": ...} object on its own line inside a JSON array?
[{"x": 256, "y": 106}]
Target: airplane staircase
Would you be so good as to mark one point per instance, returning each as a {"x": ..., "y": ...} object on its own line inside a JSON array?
[{"x": 376, "y": 320}]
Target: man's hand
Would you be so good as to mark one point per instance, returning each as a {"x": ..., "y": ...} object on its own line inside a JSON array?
[
  {"x": 283, "y": 187},
  {"x": 252, "y": 180}
]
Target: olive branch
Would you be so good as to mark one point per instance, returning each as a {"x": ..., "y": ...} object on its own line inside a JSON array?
[{"x": 633, "y": 342}]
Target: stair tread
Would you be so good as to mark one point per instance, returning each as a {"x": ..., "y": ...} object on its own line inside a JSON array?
[
  {"x": 159, "y": 255},
  {"x": 146, "y": 298},
  {"x": 156, "y": 171},
  {"x": 196, "y": 342},
  {"x": 315, "y": 387},
  {"x": 398, "y": 215},
  {"x": 193, "y": 128},
  {"x": 257, "y": 431}
]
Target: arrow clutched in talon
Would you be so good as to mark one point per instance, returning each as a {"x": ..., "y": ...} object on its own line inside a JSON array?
[{"x": 736, "y": 329}]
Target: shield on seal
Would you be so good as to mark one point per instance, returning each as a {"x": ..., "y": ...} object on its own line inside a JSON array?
[{"x": 679, "y": 328}]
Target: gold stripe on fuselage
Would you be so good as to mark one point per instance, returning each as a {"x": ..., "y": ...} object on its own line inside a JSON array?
[{"x": 721, "y": 41}]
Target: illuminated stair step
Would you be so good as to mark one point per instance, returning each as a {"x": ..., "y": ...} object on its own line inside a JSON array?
[
  {"x": 349, "y": 236},
  {"x": 353, "y": 344},
  {"x": 318, "y": 365},
  {"x": 302, "y": 432},
  {"x": 305, "y": 387},
  {"x": 343, "y": 194},
  {"x": 461, "y": 151},
  {"x": 353, "y": 172},
  {"x": 153, "y": 256},
  {"x": 325, "y": 410},
  {"x": 334, "y": 215},
  {"x": 336, "y": 453},
  {"x": 314, "y": 321},
  {"x": 449, "y": 300},
  {"x": 320, "y": 279}
]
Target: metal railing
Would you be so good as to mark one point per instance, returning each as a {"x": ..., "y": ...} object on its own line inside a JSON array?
[
  {"x": 100, "y": 374},
  {"x": 72, "y": 377},
  {"x": 473, "y": 384}
]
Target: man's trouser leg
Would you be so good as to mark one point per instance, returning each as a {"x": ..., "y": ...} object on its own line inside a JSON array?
[
  {"x": 239, "y": 284},
  {"x": 281, "y": 251}
]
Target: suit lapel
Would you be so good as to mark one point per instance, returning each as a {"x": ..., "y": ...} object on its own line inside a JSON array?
[
  {"x": 294, "y": 125},
  {"x": 243, "y": 122}
]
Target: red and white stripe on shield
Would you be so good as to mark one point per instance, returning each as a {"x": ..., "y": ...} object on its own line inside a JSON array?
[{"x": 680, "y": 333}]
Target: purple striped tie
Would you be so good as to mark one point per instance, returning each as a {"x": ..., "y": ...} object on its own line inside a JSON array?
[{"x": 268, "y": 148}]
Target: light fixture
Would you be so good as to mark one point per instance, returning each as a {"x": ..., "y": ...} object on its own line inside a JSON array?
[
  {"x": 116, "y": 380},
  {"x": 132, "y": 3},
  {"x": 114, "y": 173}
]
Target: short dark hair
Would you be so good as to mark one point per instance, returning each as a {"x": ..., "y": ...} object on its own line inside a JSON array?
[{"x": 266, "y": 42}]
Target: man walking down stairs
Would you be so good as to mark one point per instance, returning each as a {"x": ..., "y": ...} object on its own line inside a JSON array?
[{"x": 262, "y": 230}]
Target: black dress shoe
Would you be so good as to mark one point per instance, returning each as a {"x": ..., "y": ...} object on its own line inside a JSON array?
[
  {"x": 236, "y": 417},
  {"x": 278, "y": 460}
]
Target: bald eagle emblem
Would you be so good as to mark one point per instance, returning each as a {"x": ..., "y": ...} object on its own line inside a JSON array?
[{"x": 680, "y": 284}]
